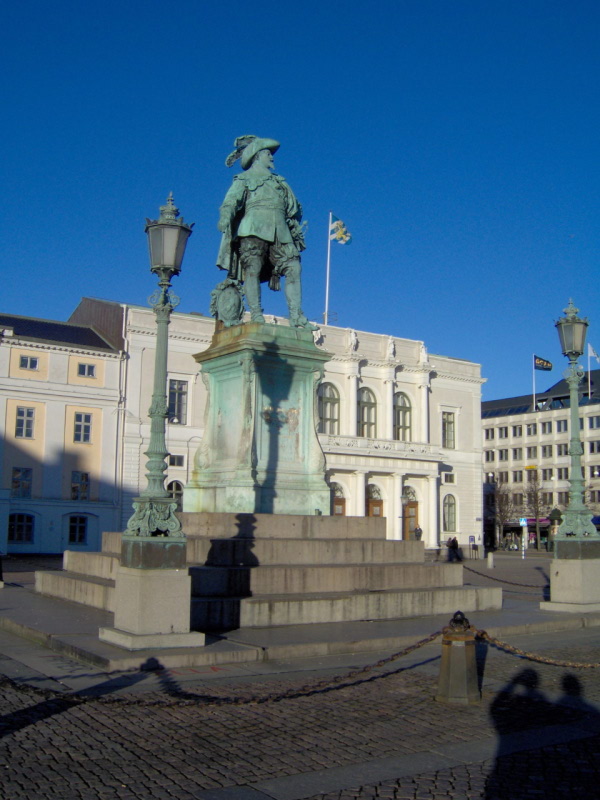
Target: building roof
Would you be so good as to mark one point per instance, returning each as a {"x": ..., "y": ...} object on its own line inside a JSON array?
[
  {"x": 43, "y": 330},
  {"x": 557, "y": 396}
]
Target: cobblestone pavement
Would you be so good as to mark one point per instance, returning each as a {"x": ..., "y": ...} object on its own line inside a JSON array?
[{"x": 536, "y": 734}]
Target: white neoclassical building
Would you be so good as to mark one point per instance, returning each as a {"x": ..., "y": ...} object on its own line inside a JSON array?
[{"x": 400, "y": 428}]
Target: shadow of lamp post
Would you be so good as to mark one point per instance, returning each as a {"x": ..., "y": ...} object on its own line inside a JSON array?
[{"x": 576, "y": 519}]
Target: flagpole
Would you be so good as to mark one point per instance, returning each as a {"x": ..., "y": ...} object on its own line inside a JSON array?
[
  {"x": 533, "y": 377},
  {"x": 326, "y": 314},
  {"x": 589, "y": 376}
]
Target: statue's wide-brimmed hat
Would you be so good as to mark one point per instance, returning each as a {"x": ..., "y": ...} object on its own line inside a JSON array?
[{"x": 246, "y": 147}]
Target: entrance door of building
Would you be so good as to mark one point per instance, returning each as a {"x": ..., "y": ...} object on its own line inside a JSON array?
[
  {"x": 411, "y": 519},
  {"x": 374, "y": 508}
]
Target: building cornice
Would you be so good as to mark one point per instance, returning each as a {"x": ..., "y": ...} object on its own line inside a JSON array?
[
  {"x": 61, "y": 348},
  {"x": 351, "y": 445}
]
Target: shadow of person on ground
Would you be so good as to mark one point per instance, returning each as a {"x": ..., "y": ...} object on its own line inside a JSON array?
[{"x": 535, "y": 758}]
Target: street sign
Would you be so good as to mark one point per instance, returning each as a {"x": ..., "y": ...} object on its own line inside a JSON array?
[{"x": 523, "y": 522}]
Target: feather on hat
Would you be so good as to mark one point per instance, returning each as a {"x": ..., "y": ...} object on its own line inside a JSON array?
[{"x": 246, "y": 147}]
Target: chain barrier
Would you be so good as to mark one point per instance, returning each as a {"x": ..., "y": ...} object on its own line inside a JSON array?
[
  {"x": 503, "y": 580},
  {"x": 555, "y": 662},
  {"x": 178, "y": 697}
]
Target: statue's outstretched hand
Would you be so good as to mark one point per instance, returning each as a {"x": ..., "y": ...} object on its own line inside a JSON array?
[{"x": 223, "y": 224}]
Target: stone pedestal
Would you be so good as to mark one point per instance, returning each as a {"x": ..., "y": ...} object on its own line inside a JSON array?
[
  {"x": 153, "y": 596},
  {"x": 260, "y": 451},
  {"x": 574, "y": 577}
]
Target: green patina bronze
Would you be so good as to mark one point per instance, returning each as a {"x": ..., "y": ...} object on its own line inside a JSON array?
[{"x": 260, "y": 220}]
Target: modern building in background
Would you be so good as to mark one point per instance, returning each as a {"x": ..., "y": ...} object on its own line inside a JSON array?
[
  {"x": 526, "y": 454},
  {"x": 400, "y": 428}
]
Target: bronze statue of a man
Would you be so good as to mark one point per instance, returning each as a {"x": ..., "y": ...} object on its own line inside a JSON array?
[{"x": 260, "y": 222}]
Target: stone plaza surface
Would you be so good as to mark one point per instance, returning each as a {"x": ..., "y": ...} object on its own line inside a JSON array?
[{"x": 228, "y": 733}]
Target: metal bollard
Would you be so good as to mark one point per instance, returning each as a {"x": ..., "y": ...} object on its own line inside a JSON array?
[
  {"x": 457, "y": 683},
  {"x": 490, "y": 561}
]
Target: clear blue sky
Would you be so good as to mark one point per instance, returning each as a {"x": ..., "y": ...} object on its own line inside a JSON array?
[{"x": 457, "y": 140}]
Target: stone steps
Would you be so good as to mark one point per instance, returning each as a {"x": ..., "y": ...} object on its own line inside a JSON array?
[
  {"x": 98, "y": 565},
  {"x": 223, "y": 614},
  {"x": 322, "y": 579},
  {"x": 86, "y": 589},
  {"x": 266, "y": 551}
]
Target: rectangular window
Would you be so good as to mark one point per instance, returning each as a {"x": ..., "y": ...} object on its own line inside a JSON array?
[
  {"x": 562, "y": 425},
  {"x": 562, "y": 449},
  {"x": 517, "y": 500},
  {"x": 547, "y": 474},
  {"x": 178, "y": 398},
  {"x": 532, "y": 475},
  {"x": 24, "y": 426},
  {"x": 531, "y": 429},
  {"x": 594, "y": 447},
  {"x": 448, "y": 430},
  {"x": 21, "y": 482},
  {"x": 503, "y": 432},
  {"x": 517, "y": 453},
  {"x": 546, "y": 451},
  {"x": 80, "y": 485},
  {"x": 595, "y": 472},
  {"x": 563, "y": 473},
  {"x": 546, "y": 427},
  {"x": 563, "y": 498},
  {"x": 176, "y": 461},
  {"x": 595, "y": 496},
  {"x": 547, "y": 498},
  {"x": 517, "y": 430},
  {"x": 83, "y": 428},
  {"x": 593, "y": 422},
  {"x": 77, "y": 530},
  {"x": 489, "y": 434},
  {"x": 503, "y": 477},
  {"x": 532, "y": 452},
  {"x": 20, "y": 528},
  {"x": 503, "y": 455},
  {"x": 517, "y": 476},
  {"x": 86, "y": 370},
  {"x": 28, "y": 362},
  {"x": 449, "y": 477},
  {"x": 490, "y": 455}
]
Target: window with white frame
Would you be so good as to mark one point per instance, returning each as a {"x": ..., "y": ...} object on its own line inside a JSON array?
[
  {"x": 547, "y": 474},
  {"x": 28, "y": 362},
  {"x": 366, "y": 414},
  {"x": 517, "y": 499},
  {"x": 402, "y": 418},
  {"x": 595, "y": 496},
  {"x": 563, "y": 498},
  {"x": 593, "y": 422},
  {"x": 562, "y": 425},
  {"x": 328, "y": 402},
  {"x": 562, "y": 449},
  {"x": 595, "y": 471},
  {"x": 176, "y": 461},
  {"x": 594, "y": 447},
  {"x": 86, "y": 370},
  {"x": 547, "y": 498},
  {"x": 532, "y": 475},
  {"x": 517, "y": 431},
  {"x": 175, "y": 489},
  {"x": 531, "y": 429},
  {"x": 503, "y": 455},
  {"x": 78, "y": 527},
  {"x": 503, "y": 432},
  {"x": 22, "y": 478},
  {"x": 449, "y": 430},
  {"x": 83, "y": 428},
  {"x": 503, "y": 477},
  {"x": 449, "y": 477},
  {"x": 80, "y": 485},
  {"x": 517, "y": 476},
  {"x": 563, "y": 473},
  {"x": 449, "y": 513},
  {"x": 546, "y": 427},
  {"x": 546, "y": 451},
  {"x": 489, "y": 434},
  {"x": 490, "y": 455},
  {"x": 21, "y": 528},
  {"x": 24, "y": 422},
  {"x": 178, "y": 402},
  {"x": 532, "y": 452}
]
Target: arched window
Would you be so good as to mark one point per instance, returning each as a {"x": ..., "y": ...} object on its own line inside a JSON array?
[
  {"x": 21, "y": 527},
  {"x": 329, "y": 409},
  {"x": 367, "y": 414},
  {"x": 402, "y": 418},
  {"x": 449, "y": 513},
  {"x": 175, "y": 489}
]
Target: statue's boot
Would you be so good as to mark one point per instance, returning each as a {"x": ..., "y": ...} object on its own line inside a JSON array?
[
  {"x": 293, "y": 295},
  {"x": 252, "y": 292}
]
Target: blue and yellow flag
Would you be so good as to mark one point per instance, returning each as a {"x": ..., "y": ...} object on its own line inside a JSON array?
[
  {"x": 541, "y": 363},
  {"x": 338, "y": 231}
]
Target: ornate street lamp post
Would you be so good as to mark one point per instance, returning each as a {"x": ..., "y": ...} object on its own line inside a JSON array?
[
  {"x": 577, "y": 519},
  {"x": 154, "y": 509}
]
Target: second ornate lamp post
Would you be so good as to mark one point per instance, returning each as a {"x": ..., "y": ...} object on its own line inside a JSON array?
[{"x": 577, "y": 519}]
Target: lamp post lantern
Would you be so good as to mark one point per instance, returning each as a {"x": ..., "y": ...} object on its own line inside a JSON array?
[
  {"x": 154, "y": 509},
  {"x": 577, "y": 519}
]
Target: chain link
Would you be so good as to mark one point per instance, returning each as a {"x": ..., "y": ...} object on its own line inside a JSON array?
[
  {"x": 178, "y": 697},
  {"x": 555, "y": 662},
  {"x": 503, "y": 580}
]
